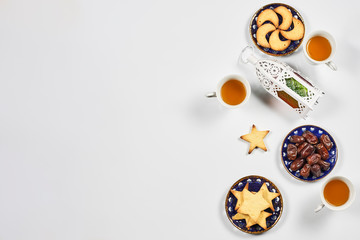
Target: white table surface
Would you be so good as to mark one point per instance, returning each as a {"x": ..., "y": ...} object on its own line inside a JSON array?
[{"x": 105, "y": 132}]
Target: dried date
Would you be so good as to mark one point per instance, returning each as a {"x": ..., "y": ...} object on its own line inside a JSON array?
[
  {"x": 291, "y": 152},
  {"x": 297, "y": 139},
  {"x": 313, "y": 158},
  {"x": 301, "y": 146},
  {"x": 310, "y": 137},
  {"x": 297, "y": 164},
  {"x": 307, "y": 151},
  {"x": 315, "y": 170},
  {"x": 305, "y": 171},
  {"x": 321, "y": 149},
  {"x": 325, "y": 139},
  {"x": 324, "y": 165}
]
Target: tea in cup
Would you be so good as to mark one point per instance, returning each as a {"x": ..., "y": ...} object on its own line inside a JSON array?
[
  {"x": 320, "y": 48},
  {"x": 232, "y": 91},
  {"x": 337, "y": 193}
]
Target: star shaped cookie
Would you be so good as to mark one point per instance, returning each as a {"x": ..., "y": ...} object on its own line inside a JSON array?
[
  {"x": 253, "y": 207},
  {"x": 239, "y": 196},
  {"x": 262, "y": 219},
  {"x": 256, "y": 139},
  {"x": 268, "y": 196},
  {"x": 253, "y": 204},
  {"x": 249, "y": 221}
]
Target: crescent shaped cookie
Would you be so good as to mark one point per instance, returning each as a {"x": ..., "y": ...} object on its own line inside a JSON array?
[
  {"x": 261, "y": 33},
  {"x": 267, "y": 15},
  {"x": 297, "y": 32},
  {"x": 275, "y": 42},
  {"x": 286, "y": 17}
]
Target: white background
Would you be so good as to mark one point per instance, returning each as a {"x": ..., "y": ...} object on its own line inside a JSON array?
[{"x": 105, "y": 132}]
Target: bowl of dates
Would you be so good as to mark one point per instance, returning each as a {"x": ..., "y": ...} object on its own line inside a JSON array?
[{"x": 309, "y": 153}]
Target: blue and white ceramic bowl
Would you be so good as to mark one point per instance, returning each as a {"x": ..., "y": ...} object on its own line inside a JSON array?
[
  {"x": 317, "y": 131},
  {"x": 294, "y": 45},
  {"x": 255, "y": 183}
]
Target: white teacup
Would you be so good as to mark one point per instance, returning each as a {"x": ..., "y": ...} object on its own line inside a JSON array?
[
  {"x": 327, "y": 61},
  {"x": 347, "y": 204},
  {"x": 217, "y": 94}
]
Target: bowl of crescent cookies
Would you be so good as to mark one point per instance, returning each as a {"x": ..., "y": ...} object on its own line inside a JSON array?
[{"x": 277, "y": 29}]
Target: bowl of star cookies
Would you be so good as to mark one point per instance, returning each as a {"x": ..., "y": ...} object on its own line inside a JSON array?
[
  {"x": 254, "y": 204},
  {"x": 277, "y": 29}
]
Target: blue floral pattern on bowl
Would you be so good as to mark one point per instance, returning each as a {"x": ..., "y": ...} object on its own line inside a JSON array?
[
  {"x": 317, "y": 131},
  {"x": 294, "y": 45},
  {"x": 255, "y": 183}
]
